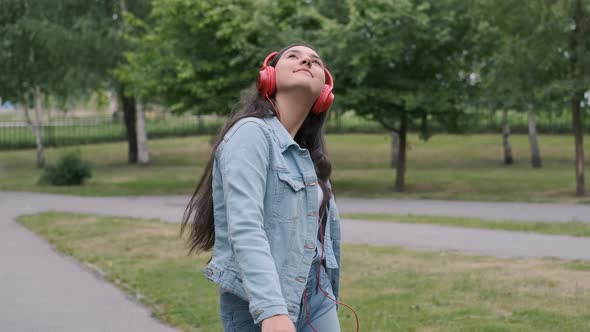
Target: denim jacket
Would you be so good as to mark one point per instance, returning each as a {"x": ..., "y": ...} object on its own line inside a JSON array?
[{"x": 266, "y": 219}]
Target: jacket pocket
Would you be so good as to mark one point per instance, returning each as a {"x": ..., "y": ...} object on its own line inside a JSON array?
[{"x": 288, "y": 201}]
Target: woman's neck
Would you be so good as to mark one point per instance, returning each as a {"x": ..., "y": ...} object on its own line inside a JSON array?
[{"x": 294, "y": 107}]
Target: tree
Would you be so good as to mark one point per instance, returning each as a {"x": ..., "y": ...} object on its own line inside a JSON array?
[
  {"x": 540, "y": 61},
  {"x": 517, "y": 73},
  {"x": 46, "y": 48},
  {"x": 404, "y": 64},
  {"x": 579, "y": 75},
  {"x": 120, "y": 31},
  {"x": 192, "y": 58},
  {"x": 133, "y": 110}
]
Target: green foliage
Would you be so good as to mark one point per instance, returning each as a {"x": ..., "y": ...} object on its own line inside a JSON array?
[
  {"x": 195, "y": 58},
  {"x": 529, "y": 58},
  {"x": 70, "y": 170},
  {"x": 190, "y": 57},
  {"x": 424, "y": 60},
  {"x": 407, "y": 58},
  {"x": 521, "y": 63},
  {"x": 57, "y": 46}
]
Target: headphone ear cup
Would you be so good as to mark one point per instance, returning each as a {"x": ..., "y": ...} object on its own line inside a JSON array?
[
  {"x": 266, "y": 81},
  {"x": 324, "y": 101}
]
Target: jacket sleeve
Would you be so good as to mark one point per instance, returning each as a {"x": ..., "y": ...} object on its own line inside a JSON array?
[{"x": 245, "y": 160}]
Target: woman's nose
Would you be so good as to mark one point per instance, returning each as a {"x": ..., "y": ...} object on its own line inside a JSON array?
[{"x": 306, "y": 60}]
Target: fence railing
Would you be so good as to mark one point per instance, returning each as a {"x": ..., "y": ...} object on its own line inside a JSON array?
[
  {"x": 18, "y": 134},
  {"x": 75, "y": 131}
]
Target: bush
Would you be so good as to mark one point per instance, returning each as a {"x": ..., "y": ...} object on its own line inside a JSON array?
[{"x": 70, "y": 170}]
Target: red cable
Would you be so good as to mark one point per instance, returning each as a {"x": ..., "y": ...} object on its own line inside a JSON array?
[
  {"x": 275, "y": 108},
  {"x": 320, "y": 287}
]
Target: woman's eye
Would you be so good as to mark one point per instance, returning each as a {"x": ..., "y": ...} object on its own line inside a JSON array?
[
  {"x": 291, "y": 56},
  {"x": 317, "y": 62}
]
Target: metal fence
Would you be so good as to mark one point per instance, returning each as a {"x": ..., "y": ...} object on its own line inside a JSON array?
[
  {"x": 75, "y": 131},
  {"x": 18, "y": 134}
]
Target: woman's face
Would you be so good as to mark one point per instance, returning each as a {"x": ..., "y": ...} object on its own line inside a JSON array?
[{"x": 300, "y": 67}]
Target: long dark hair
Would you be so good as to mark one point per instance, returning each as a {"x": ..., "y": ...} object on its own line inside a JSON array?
[{"x": 198, "y": 215}]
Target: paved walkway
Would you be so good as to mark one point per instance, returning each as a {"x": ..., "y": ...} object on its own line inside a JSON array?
[
  {"x": 42, "y": 290},
  {"x": 546, "y": 212}
]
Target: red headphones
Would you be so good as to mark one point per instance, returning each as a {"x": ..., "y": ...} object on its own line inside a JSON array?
[{"x": 266, "y": 84}]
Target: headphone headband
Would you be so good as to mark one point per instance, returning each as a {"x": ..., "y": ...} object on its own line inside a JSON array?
[{"x": 269, "y": 58}]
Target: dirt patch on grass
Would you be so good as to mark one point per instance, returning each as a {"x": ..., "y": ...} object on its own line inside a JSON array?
[
  {"x": 531, "y": 277},
  {"x": 153, "y": 229}
]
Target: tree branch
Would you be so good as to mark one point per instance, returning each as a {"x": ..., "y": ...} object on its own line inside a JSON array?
[{"x": 387, "y": 126}]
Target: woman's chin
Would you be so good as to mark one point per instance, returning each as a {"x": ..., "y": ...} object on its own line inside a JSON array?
[{"x": 300, "y": 86}]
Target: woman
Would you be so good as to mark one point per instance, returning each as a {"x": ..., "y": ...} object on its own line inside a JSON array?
[{"x": 265, "y": 204}]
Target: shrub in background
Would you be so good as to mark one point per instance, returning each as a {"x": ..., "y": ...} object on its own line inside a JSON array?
[{"x": 70, "y": 170}]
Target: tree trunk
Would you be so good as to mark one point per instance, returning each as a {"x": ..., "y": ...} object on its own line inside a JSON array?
[
  {"x": 579, "y": 138},
  {"x": 535, "y": 153},
  {"x": 576, "y": 99},
  {"x": 35, "y": 128},
  {"x": 508, "y": 159},
  {"x": 401, "y": 162},
  {"x": 129, "y": 111},
  {"x": 142, "y": 148},
  {"x": 394, "y": 149},
  {"x": 129, "y": 116},
  {"x": 114, "y": 105}
]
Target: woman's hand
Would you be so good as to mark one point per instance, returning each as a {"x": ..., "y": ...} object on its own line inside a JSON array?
[{"x": 278, "y": 323}]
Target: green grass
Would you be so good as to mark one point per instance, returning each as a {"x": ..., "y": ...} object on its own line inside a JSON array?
[
  {"x": 572, "y": 228},
  {"x": 446, "y": 167},
  {"x": 392, "y": 289}
]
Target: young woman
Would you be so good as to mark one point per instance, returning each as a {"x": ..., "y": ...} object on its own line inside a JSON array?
[{"x": 265, "y": 204}]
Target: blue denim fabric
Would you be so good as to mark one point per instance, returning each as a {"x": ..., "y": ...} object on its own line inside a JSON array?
[
  {"x": 321, "y": 310},
  {"x": 266, "y": 219},
  {"x": 235, "y": 315}
]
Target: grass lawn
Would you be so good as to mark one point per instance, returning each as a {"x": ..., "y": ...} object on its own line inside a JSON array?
[
  {"x": 445, "y": 167},
  {"x": 565, "y": 228},
  {"x": 392, "y": 289}
]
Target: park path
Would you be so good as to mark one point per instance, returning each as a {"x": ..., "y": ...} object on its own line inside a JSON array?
[{"x": 42, "y": 290}]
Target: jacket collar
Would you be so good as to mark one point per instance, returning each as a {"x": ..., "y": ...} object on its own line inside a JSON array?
[{"x": 284, "y": 138}]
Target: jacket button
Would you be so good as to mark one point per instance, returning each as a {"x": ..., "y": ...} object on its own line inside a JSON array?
[{"x": 300, "y": 279}]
